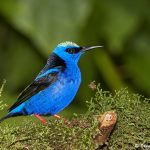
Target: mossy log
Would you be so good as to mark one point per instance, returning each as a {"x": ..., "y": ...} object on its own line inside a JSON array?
[{"x": 79, "y": 133}]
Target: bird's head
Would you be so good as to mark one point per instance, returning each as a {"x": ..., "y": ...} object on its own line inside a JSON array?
[{"x": 71, "y": 52}]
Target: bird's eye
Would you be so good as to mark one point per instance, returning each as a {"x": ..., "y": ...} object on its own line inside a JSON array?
[{"x": 70, "y": 50}]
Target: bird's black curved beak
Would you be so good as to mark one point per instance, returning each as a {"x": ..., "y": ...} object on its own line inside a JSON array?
[{"x": 84, "y": 49}]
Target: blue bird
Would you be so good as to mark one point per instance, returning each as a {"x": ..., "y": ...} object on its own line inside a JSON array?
[{"x": 54, "y": 87}]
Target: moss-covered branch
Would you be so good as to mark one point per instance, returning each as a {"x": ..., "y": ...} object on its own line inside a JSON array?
[{"x": 133, "y": 126}]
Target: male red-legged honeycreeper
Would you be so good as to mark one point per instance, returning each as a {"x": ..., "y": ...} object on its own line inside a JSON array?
[{"x": 54, "y": 87}]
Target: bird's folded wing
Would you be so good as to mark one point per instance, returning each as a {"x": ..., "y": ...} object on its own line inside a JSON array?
[{"x": 40, "y": 83}]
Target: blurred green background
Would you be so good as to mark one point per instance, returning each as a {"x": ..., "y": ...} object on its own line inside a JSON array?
[{"x": 30, "y": 30}]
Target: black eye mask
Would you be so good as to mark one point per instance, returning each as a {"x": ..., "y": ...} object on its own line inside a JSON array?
[{"x": 73, "y": 50}]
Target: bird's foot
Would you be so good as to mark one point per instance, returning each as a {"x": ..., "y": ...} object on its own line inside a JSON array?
[
  {"x": 59, "y": 117},
  {"x": 40, "y": 118}
]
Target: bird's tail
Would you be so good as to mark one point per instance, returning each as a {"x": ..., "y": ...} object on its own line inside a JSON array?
[{"x": 5, "y": 117}]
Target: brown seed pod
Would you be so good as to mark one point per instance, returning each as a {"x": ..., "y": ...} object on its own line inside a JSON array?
[{"x": 92, "y": 85}]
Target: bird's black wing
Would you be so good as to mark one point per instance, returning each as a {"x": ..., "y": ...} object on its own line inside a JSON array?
[
  {"x": 35, "y": 87},
  {"x": 45, "y": 78}
]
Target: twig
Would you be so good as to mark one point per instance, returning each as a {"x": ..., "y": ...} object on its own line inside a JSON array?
[{"x": 107, "y": 122}]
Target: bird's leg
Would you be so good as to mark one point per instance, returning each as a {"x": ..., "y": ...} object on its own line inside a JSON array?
[{"x": 40, "y": 118}]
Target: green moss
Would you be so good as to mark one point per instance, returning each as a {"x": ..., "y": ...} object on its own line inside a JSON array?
[
  {"x": 2, "y": 105},
  {"x": 133, "y": 126}
]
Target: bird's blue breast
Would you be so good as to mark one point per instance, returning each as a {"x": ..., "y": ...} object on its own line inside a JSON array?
[{"x": 58, "y": 95}]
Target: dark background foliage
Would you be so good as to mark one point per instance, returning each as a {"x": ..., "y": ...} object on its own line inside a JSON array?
[{"x": 30, "y": 29}]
